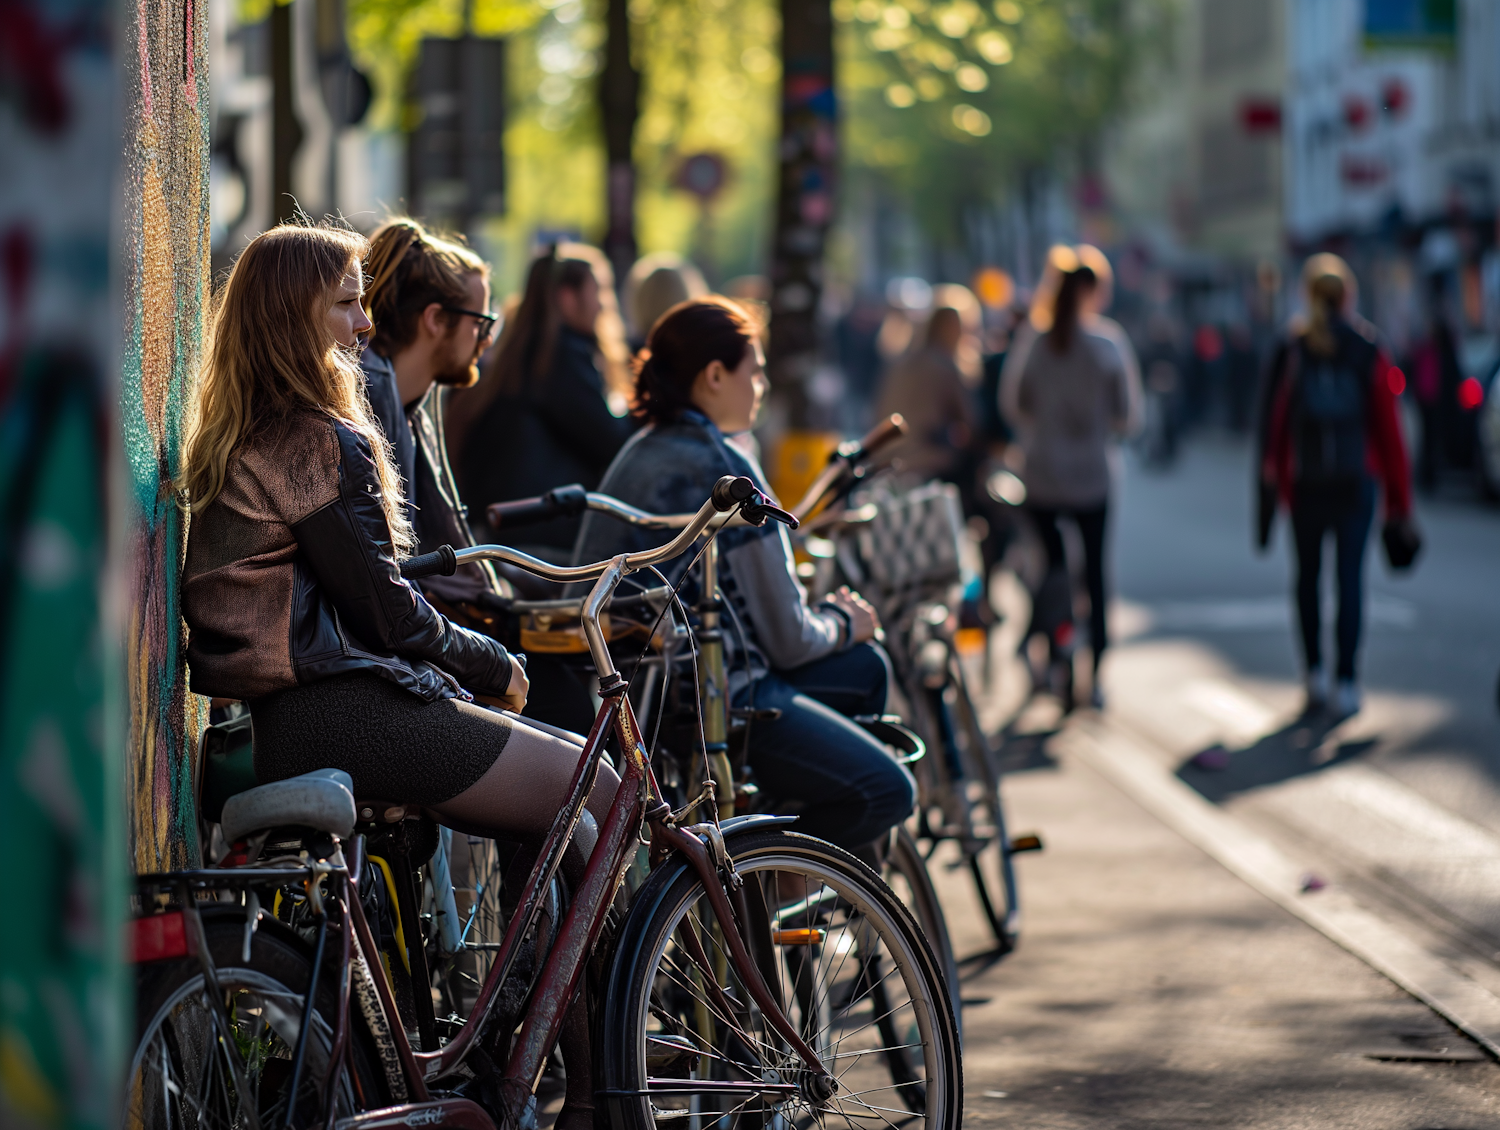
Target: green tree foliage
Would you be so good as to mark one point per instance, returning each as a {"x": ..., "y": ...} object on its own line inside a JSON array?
[
  {"x": 950, "y": 103},
  {"x": 947, "y": 103}
]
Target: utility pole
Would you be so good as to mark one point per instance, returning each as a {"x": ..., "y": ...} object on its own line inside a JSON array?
[
  {"x": 805, "y": 199},
  {"x": 619, "y": 107}
]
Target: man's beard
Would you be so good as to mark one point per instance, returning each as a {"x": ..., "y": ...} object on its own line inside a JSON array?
[
  {"x": 458, "y": 376},
  {"x": 458, "y": 371}
]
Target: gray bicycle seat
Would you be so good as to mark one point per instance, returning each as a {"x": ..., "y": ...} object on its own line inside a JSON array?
[{"x": 323, "y": 799}]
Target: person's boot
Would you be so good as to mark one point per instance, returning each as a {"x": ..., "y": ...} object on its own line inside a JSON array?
[{"x": 1317, "y": 691}]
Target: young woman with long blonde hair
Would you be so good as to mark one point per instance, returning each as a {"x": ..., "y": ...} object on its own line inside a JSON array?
[{"x": 292, "y": 589}]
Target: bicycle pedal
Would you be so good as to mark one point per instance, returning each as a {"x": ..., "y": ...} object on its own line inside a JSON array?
[{"x": 1029, "y": 842}]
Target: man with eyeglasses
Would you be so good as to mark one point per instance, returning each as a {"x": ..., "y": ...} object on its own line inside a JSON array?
[{"x": 429, "y": 300}]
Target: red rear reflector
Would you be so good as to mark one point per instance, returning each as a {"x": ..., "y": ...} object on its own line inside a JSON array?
[
  {"x": 1470, "y": 394},
  {"x": 159, "y": 937},
  {"x": 1395, "y": 380}
]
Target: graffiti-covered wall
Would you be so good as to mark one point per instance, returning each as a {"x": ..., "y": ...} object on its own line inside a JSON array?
[
  {"x": 165, "y": 275},
  {"x": 63, "y": 1005}
]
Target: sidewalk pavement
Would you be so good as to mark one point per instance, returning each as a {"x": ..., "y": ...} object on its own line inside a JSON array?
[{"x": 1154, "y": 988}]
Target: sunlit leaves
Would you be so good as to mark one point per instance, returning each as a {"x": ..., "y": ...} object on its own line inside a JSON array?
[
  {"x": 976, "y": 92},
  {"x": 901, "y": 96},
  {"x": 971, "y": 78},
  {"x": 994, "y": 48},
  {"x": 972, "y": 121}
]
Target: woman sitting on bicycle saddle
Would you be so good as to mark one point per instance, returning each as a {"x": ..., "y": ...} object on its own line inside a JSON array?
[
  {"x": 292, "y": 590},
  {"x": 700, "y": 381}
]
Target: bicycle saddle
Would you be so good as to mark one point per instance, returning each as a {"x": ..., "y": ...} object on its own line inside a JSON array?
[{"x": 323, "y": 799}]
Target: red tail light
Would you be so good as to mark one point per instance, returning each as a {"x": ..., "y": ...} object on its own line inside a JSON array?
[
  {"x": 1470, "y": 394},
  {"x": 157, "y": 938},
  {"x": 1395, "y": 380}
]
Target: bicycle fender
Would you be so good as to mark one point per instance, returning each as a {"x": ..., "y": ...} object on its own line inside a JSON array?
[{"x": 736, "y": 824}]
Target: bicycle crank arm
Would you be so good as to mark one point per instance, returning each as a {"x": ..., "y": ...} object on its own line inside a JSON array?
[{"x": 697, "y": 854}]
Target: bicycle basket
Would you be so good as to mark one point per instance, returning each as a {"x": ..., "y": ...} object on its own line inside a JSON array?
[{"x": 913, "y": 546}]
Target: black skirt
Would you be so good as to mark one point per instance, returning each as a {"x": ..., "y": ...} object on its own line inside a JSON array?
[{"x": 396, "y": 746}]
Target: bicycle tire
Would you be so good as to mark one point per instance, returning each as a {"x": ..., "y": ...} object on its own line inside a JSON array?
[
  {"x": 998, "y": 893},
  {"x": 176, "y": 1034},
  {"x": 915, "y": 1075},
  {"x": 913, "y": 886}
]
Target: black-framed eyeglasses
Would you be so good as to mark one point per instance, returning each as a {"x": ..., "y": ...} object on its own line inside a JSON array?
[{"x": 486, "y": 321}]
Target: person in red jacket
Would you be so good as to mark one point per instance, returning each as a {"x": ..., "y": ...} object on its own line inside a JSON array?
[{"x": 1330, "y": 441}]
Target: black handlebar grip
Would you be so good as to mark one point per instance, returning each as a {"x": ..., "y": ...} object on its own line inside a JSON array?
[
  {"x": 560, "y": 502},
  {"x": 732, "y": 491},
  {"x": 441, "y": 562}
]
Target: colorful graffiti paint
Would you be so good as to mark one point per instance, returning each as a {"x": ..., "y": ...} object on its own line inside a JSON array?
[
  {"x": 165, "y": 269},
  {"x": 62, "y": 989}
]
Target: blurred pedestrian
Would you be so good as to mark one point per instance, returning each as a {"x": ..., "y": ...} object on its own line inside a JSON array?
[
  {"x": 1329, "y": 432},
  {"x": 655, "y": 284},
  {"x": 1435, "y": 377},
  {"x": 540, "y": 417},
  {"x": 1071, "y": 386},
  {"x": 1161, "y": 360},
  {"x": 928, "y": 388}
]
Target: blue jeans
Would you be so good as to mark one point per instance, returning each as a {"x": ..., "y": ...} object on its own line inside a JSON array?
[
  {"x": 1312, "y": 520},
  {"x": 841, "y": 783}
]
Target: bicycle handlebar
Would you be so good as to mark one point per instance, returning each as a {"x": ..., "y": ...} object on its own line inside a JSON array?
[
  {"x": 731, "y": 496},
  {"x": 441, "y": 562},
  {"x": 844, "y": 465},
  {"x": 560, "y": 502},
  {"x": 893, "y": 427}
]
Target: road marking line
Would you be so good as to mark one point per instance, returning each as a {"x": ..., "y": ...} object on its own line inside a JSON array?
[{"x": 1121, "y": 759}]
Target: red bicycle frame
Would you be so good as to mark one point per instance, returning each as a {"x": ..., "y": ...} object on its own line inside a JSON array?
[{"x": 637, "y": 802}]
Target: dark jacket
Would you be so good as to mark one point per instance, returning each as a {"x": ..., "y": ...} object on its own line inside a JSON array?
[
  {"x": 437, "y": 515},
  {"x": 561, "y": 432},
  {"x": 671, "y": 469},
  {"x": 290, "y": 579},
  {"x": 1284, "y": 474}
]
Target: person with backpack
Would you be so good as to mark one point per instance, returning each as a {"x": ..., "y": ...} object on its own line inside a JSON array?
[{"x": 1329, "y": 434}]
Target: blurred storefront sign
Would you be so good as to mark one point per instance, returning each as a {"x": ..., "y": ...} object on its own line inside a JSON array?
[{"x": 1411, "y": 23}]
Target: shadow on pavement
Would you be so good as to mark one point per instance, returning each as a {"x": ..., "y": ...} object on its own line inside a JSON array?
[{"x": 1296, "y": 750}]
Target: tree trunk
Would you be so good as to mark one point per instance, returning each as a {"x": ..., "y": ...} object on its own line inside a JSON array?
[
  {"x": 805, "y": 199},
  {"x": 286, "y": 130},
  {"x": 619, "y": 106}
]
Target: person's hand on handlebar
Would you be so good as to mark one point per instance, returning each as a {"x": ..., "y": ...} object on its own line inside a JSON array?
[
  {"x": 864, "y": 621},
  {"x": 515, "y": 694}
]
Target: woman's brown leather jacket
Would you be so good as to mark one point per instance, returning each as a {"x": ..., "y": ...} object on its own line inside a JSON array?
[{"x": 290, "y": 578}]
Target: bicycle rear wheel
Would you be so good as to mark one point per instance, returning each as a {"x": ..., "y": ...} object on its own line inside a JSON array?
[
  {"x": 180, "y": 1076},
  {"x": 848, "y": 962}
]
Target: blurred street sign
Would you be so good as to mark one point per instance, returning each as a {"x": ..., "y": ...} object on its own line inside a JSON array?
[
  {"x": 456, "y": 154},
  {"x": 702, "y": 174}
]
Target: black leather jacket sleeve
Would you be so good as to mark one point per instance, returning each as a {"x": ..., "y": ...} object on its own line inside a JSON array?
[{"x": 347, "y": 546}]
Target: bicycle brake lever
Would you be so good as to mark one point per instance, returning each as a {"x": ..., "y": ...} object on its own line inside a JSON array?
[{"x": 756, "y": 514}]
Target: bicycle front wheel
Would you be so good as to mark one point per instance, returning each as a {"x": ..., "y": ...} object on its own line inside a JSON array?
[{"x": 843, "y": 956}]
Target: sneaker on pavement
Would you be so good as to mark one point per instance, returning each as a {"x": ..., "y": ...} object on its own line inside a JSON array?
[
  {"x": 1317, "y": 691},
  {"x": 1346, "y": 699}
]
